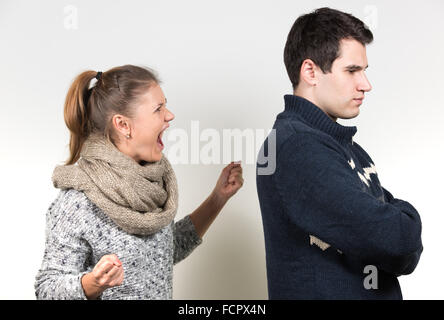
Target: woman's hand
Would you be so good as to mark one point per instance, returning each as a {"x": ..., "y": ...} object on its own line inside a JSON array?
[
  {"x": 229, "y": 182},
  {"x": 107, "y": 273}
]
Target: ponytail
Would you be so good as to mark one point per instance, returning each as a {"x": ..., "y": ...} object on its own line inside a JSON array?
[{"x": 76, "y": 113}]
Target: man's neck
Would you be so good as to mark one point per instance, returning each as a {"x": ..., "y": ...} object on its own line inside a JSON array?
[{"x": 310, "y": 98}]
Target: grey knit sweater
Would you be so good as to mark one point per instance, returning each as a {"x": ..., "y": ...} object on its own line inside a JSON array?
[{"x": 78, "y": 234}]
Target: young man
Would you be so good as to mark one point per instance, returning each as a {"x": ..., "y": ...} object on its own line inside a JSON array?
[{"x": 331, "y": 230}]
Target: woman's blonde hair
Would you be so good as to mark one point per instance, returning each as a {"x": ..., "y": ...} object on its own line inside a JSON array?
[{"x": 90, "y": 110}]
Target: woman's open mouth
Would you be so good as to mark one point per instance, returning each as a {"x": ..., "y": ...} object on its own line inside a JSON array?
[{"x": 159, "y": 139}]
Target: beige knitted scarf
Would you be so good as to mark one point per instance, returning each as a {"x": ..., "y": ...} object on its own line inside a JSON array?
[{"x": 141, "y": 199}]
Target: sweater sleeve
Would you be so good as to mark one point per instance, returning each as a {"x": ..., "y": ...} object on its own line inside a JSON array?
[
  {"x": 65, "y": 256},
  {"x": 411, "y": 261},
  {"x": 323, "y": 196},
  {"x": 185, "y": 239}
]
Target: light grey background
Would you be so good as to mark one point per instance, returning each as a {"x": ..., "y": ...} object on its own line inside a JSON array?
[{"x": 221, "y": 63}]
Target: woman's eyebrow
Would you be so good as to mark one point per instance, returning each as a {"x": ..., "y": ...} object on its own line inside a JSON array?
[{"x": 161, "y": 104}]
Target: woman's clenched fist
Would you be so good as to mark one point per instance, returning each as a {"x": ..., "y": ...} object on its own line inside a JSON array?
[{"x": 107, "y": 273}]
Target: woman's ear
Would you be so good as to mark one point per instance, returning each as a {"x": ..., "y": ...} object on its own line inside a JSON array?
[
  {"x": 122, "y": 124},
  {"x": 308, "y": 72}
]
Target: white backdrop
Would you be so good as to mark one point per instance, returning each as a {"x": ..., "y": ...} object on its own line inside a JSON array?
[{"x": 221, "y": 63}]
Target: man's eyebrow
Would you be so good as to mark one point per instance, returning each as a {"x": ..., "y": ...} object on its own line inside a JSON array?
[{"x": 354, "y": 67}]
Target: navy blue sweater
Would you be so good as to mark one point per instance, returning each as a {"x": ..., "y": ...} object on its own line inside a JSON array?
[{"x": 326, "y": 216}]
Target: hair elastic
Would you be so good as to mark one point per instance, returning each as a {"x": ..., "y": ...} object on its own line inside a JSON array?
[{"x": 99, "y": 75}]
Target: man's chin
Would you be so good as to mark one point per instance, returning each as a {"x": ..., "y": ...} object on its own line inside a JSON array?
[{"x": 350, "y": 115}]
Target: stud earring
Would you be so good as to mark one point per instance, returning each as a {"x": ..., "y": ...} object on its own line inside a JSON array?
[{"x": 127, "y": 135}]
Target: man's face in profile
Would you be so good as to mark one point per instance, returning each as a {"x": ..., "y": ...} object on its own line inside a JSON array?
[{"x": 340, "y": 92}]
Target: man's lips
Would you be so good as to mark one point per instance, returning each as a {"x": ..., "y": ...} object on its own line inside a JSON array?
[{"x": 359, "y": 100}]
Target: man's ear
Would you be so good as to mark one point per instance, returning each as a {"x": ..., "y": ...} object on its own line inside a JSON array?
[{"x": 308, "y": 72}]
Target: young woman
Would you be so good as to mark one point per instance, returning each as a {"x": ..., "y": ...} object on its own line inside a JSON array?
[{"x": 110, "y": 233}]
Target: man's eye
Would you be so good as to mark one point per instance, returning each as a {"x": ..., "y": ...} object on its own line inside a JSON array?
[
  {"x": 158, "y": 109},
  {"x": 351, "y": 71}
]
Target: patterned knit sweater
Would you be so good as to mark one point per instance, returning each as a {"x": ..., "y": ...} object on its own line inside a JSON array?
[
  {"x": 78, "y": 234},
  {"x": 326, "y": 216}
]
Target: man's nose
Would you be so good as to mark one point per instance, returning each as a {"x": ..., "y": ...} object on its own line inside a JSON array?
[{"x": 364, "y": 85}]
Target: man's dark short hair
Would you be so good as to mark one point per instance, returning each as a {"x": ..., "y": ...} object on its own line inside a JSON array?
[{"x": 317, "y": 36}]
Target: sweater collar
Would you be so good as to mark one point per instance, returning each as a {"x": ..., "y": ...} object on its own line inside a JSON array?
[{"x": 317, "y": 118}]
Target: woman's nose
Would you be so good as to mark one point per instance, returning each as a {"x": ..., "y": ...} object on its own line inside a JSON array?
[{"x": 169, "y": 115}]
